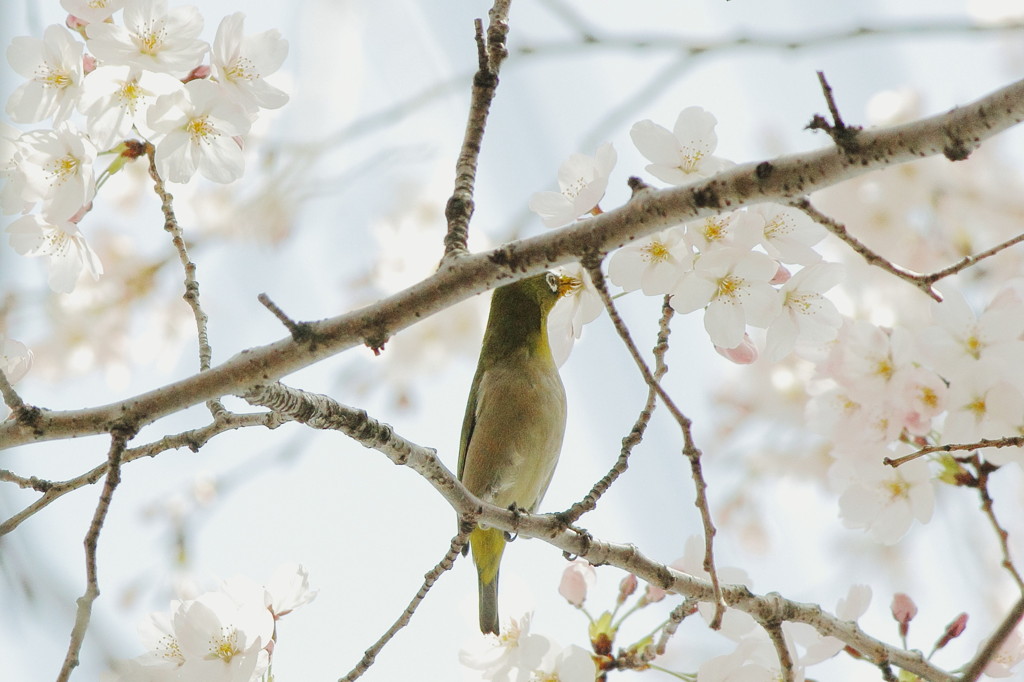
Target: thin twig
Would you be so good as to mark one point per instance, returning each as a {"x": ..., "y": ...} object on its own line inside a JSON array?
[
  {"x": 491, "y": 52},
  {"x": 778, "y": 638},
  {"x": 118, "y": 441},
  {"x": 11, "y": 397},
  {"x": 690, "y": 449},
  {"x": 193, "y": 439},
  {"x": 191, "y": 295},
  {"x": 431, "y": 577},
  {"x": 675, "y": 618},
  {"x": 923, "y": 282},
  {"x": 1008, "y": 442},
  {"x": 977, "y": 666},
  {"x": 636, "y": 434},
  {"x": 985, "y": 470}
]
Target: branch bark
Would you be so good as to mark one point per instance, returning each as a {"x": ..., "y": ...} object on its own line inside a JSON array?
[{"x": 954, "y": 134}]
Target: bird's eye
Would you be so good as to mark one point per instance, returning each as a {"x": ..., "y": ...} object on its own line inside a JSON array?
[{"x": 552, "y": 280}]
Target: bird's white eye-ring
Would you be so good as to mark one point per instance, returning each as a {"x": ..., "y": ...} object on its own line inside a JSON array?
[{"x": 553, "y": 281}]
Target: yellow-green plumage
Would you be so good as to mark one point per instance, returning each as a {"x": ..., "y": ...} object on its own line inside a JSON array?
[{"x": 515, "y": 420}]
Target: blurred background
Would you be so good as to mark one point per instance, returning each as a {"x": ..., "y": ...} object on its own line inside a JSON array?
[{"x": 342, "y": 202}]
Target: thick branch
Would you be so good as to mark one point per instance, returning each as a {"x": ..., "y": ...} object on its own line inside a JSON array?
[
  {"x": 323, "y": 412},
  {"x": 779, "y": 180}
]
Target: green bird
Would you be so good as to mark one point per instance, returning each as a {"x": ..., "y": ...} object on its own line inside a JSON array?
[{"x": 515, "y": 420}]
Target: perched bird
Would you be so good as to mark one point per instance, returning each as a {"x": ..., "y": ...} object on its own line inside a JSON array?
[{"x": 515, "y": 420}]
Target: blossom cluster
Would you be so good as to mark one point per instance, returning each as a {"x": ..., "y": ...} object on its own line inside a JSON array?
[
  {"x": 880, "y": 391},
  {"x": 101, "y": 82},
  {"x": 737, "y": 267},
  {"x": 226, "y": 635}
]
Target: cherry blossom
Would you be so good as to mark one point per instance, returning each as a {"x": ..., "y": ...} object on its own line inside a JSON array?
[
  {"x": 582, "y": 181},
  {"x": 196, "y": 129},
  {"x": 152, "y": 38},
  {"x": 807, "y": 316},
  {"x": 240, "y": 64},
  {"x": 53, "y": 66},
  {"x": 513, "y": 655},
  {"x": 579, "y": 305},
  {"x": 683, "y": 154},
  {"x": 288, "y": 589},
  {"x": 92, "y": 10},
  {"x": 57, "y": 170},
  {"x": 923, "y": 394},
  {"x": 220, "y": 641},
  {"x": 653, "y": 264},
  {"x": 1009, "y": 654},
  {"x": 732, "y": 285},
  {"x": 818, "y": 647},
  {"x": 958, "y": 339},
  {"x": 982, "y": 405},
  {"x": 881, "y": 499},
  {"x": 754, "y": 659},
  {"x": 116, "y": 99},
  {"x": 739, "y": 229},
  {"x": 12, "y": 187},
  {"x": 571, "y": 664},
  {"x": 67, "y": 252},
  {"x": 788, "y": 234}
]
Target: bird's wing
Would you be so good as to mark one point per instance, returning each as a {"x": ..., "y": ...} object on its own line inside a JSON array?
[{"x": 469, "y": 421}]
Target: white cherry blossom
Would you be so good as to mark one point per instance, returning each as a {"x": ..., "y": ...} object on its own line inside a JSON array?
[
  {"x": 807, "y": 316},
  {"x": 66, "y": 250},
  {"x": 683, "y": 154},
  {"x": 92, "y": 10},
  {"x": 241, "y": 63},
  {"x": 512, "y": 655},
  {"x": 571, "y": 664},
  {"x": 582, "y": 181},
  {"x": 152, "y": 38},
  {"x": 788, "y": 234},
  {"x": 196, "y": 129},
  {"x": 53, "y": 66},
  {"x": 116, "y": 99},
  {"x": 580, "y": 304},
  {"x": 982, "y": 405},
  {"x": 732, "y": 285},
  {"x": 653, "y": 264},
  {"x": 738, "y": 229},
  {"x": 57, "y": 168},
  {"x": 883, "y": 500}
]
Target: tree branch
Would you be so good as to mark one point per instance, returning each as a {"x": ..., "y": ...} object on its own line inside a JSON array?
[{"x": 779, "y": 180}]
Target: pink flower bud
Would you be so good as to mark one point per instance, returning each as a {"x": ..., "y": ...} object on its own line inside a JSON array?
[
  {"x": 198, "y": 73},
  {"x": 782, "y": 275},
  {"x": 627, "y": 587},
  {"x": 903, "y": 610},
  {"x": 88, "y": 64},
  {"x": 577, "y": 578},
  {"x": 743, "y": 354},
  {"x": 953, "y": 630}
]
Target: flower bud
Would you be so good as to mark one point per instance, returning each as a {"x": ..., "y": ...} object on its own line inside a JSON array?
[
  {"x": 627, "y": 587},
  {"x": 953, "y": 630},
  {"x": 903, "y": 610},
  {"x": 577, "y": 578},
  {"x": 743, "y": 354}
]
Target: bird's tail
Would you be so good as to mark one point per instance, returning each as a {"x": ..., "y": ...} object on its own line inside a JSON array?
[{"x": 488, "y": 545}]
